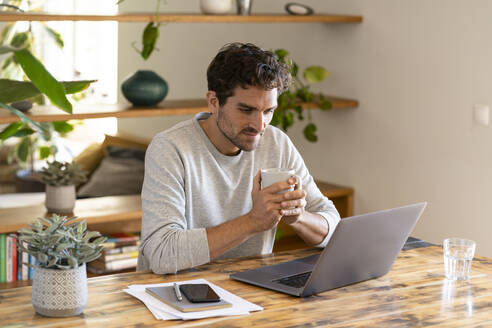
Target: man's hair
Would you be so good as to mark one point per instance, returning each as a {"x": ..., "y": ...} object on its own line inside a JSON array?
[{"x": 245, "y": 65}]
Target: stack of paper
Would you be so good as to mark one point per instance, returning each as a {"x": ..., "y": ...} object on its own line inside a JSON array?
[{"x": 162, "y": 311}]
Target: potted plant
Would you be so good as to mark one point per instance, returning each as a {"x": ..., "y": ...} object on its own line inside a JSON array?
[
  {"x": 60, "y": 179},
  {"x": 146, "y": 87},
  {"x": 61, "y": 247},
  {"x": 299, "y": 94}
]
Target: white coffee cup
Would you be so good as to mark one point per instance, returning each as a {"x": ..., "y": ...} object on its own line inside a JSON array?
[{"x": 274, "y": 175}]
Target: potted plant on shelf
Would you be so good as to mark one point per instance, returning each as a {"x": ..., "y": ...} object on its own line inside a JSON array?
[
  {"x": 146, "y": 87},
  {"x": 299, "y": 94},
  {"x": 61, "y": 178},
  {"x": 61, "y": 247}
]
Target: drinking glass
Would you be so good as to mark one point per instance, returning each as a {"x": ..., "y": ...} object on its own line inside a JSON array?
[{"x": 458, "y": 255}]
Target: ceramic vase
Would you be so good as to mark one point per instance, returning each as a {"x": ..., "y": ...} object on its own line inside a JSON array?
[
  {"x": 60, "y": 199},
  {"x": 215, "y": 7},
  {"x": 59, "y": 293},
  {"x": 144, "y": 88}
]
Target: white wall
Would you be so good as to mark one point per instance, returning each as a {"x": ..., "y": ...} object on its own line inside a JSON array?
[{"x": 417, "y": 68}]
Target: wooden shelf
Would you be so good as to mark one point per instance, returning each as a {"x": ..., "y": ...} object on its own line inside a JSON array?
[
  {"x": 96, "y": 211},
  {"x": 182, "y": 18},
  {"x": 166, "y": 108}
]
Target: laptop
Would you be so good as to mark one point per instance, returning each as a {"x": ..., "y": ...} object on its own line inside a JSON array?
[{"x": 361, "y": 248}]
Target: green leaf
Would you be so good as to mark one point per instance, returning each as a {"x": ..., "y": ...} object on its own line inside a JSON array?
[
  {"x": 23, "y": 149},
  {"x": 44, "y": 152},
  {"x": 72, "y": 261},
  {"x": 23, "y": 117},
  {"x": 81, "y": 227},
  {"x": 91, "y": 234},
  {"x": 54, "y": 35},
  {"x": 12, "y": 91},
  {"x": 52, "y": 262},
  {"x": 76, "y": 86},
  {"x": 275, "y": 119},
  {"x": 43, "y": 80},
  {"x": 294, "y": 69},
  {"x": 149, "y": 38},
  {"x": 27, "y": 131},
  {"x": 62, "y": 126},
  {"x": 310, "y": 132},
  {"x": 19, "y": 40},
  {"x": 8, "y": 61},
  {"x": 10, "y": 130},
  {"x": 325, "y": 104},
  {"x": 289, "y": 118},
  {"x": 281, "y": 53},
  {"x": 100, "y": 240},
  {"x": 315, "y": 74},
  {"x": 61, "y": 247}
]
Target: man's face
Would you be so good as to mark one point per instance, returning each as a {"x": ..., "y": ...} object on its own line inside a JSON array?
[{"x": 245, "y": 116}]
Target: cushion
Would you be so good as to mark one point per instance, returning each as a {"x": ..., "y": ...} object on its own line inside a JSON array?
[
  {"x": 90, "y": 157},
  {"x": 121, "y": 172}
]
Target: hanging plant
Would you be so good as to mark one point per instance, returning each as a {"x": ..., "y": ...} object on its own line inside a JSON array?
[
  {"x": 150, "y": 34},
  {"x": 292, "y": 102}
]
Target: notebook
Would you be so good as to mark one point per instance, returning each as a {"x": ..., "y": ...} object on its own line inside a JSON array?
[{"x": 167, "y": 295}]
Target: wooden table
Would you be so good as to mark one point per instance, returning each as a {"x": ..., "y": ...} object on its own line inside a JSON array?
[{"x": 413, "y": 294}]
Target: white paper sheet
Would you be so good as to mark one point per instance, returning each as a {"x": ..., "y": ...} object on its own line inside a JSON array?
[{"x": 162, "y": 311}]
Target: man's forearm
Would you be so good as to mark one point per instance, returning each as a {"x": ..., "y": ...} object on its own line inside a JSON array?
[
  {"x": 228, "y": 235},
  {"x": 312, "y": 228}
]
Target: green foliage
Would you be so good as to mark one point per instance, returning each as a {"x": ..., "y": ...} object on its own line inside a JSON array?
[
  {"x": 34, "y": 144},
  {"x": 291, "y": 102},
  {"x": 22, "y": 64},
  {"x": 149, "y": 38},
  {"x": 60, "y": 243},
  {"x": 62, "y": 174},
  {"x": 13, "y": 91},
  {"x": 150, "y": 34}
]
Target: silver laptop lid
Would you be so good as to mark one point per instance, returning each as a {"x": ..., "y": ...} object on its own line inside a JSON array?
[{"x": 363, "y": 247}]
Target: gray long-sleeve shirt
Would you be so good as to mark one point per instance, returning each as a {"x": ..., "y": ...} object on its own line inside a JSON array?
[{"x": 189, "y": 186}]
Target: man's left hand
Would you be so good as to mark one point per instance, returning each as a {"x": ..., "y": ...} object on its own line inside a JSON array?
[{"x": 294, "y": 203}]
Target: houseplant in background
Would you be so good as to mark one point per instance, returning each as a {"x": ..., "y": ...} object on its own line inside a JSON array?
[
  {"x": 31, "y": 145},
  {"x": 61, "y": 247},
  {"x": 61, "y": 178},
  {"x": 292, "y": 101},
  {"x": 145, "y": 87}
]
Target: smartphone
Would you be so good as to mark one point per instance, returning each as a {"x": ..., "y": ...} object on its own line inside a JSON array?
[{"x": 199, "y": 293}]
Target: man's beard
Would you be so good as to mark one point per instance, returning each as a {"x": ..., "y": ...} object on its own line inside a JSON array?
[{"x": 222, "y": 124}]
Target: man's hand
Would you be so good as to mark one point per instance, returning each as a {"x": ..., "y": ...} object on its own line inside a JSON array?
[
  {"x": 294, "y": 203},
  {"x": 267, "y": 203}
]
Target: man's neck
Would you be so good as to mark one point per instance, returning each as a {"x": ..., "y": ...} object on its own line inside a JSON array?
[{"x": 217, "y": 138}]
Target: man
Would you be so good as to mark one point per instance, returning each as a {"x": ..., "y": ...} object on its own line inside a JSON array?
[{"x": 201, "y": 197}]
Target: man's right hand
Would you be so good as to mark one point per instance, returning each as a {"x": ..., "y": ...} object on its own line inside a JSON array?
[{"x": 265, "y": 213}]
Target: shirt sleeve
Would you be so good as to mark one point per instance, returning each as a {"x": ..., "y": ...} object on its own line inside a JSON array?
[
  {"x": 167, "y": 245},
  {"x": 317, "y": 203}
]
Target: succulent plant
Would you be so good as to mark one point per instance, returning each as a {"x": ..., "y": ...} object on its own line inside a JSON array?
[
  {"x": 60, "y": 243},
  {"x": 62, "y": 174}
]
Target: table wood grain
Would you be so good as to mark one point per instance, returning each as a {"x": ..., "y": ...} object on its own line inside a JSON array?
[{"x": 413, "y": 294}]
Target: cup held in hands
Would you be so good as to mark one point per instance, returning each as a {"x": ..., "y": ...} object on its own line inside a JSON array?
[{"x": 274, "y": 175}]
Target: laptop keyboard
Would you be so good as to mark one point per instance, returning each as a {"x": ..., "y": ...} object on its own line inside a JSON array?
[{"x": 296, "y": 281}]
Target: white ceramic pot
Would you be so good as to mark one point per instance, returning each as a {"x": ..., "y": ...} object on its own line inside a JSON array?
[
  {"x": 215, "y": 7},
  {"x": 59, "y": 293},
  {"x": 60, "y": 199}
]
